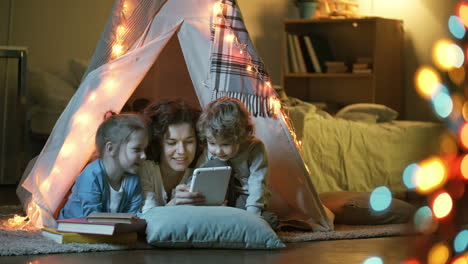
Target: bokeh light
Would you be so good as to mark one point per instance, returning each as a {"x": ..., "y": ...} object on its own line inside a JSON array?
[
  {"x": 442, "y": 205},
  {"x": 460, "y": 260},
  {"x": 373, "y": 260},
  {"x": 462, "y": 12},
  {"x": 442, "y": 103},
  {"x": 461, "y": 241},
  {"x": 456, "y": 27},
  {"x": 459, "y": 56},
  {"x": 464, "y": 167},
  {"x": 427, "y": 82},
  {"x": 380, "y": 198},
  {"x": 447, "y": 55},
  {"x": 465, "y": 111},
  {"x": 438, "y": 254},
  {"x": 409, "y": 175},
  {"x": 423, "y": 220},
  {"x": 457, "y": 75},
  {"x": 431, "y": 175},
  {"x": 411, "y": 261},
  {"x": 464, "y": 135}
]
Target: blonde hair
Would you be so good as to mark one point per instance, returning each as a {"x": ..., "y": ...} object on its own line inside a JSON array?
[
  {"x": 226, "y": 118},
  {"x": 118, "y": 128}
]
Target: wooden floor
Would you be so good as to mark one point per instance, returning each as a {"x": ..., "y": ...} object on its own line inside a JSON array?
[{"x": 392, "y": 250}]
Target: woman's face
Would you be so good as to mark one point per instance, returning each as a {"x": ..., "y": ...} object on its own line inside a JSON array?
[{"x": 178, "y": 147}]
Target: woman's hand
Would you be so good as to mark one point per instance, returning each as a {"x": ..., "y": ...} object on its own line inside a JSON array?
[{"x": 184, "y": 196}]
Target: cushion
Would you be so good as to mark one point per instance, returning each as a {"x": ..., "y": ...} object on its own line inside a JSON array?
[
  {"x": 208, "y": 227},
  {"x": 384, "y": 113},
  {"x": 353, "y": 208}
]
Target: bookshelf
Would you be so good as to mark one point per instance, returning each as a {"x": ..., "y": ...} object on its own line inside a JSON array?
[{"x": 379, "y": 40}]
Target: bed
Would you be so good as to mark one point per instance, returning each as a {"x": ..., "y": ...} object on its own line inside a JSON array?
[{"x": 345, "y": 155}]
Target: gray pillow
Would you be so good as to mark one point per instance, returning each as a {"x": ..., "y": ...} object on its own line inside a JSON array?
[
  {"x": 384, "y": 113},
  {"x": 208, "y": 227},
  {"x": 353, "y": 208}
]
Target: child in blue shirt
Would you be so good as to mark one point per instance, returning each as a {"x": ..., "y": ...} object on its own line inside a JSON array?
[{"x": 110, "y": 183}]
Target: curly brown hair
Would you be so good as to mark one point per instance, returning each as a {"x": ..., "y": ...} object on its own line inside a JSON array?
[
  {"x": 226, "y": 118},
  {"x": 164, "y": 113}
]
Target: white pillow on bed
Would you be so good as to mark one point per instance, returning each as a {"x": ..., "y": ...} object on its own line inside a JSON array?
[{"x": 368, "y": 112}]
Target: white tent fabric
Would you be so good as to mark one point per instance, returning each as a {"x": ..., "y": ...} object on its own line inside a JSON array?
[{"x": 197, "y": 50}]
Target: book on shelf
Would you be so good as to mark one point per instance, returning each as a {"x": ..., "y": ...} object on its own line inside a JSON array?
[
  {"x": 292, "y": 54},
  {"x": 336, "y": 67},
  {"x": 306, "y": 55},
  {"x": 83, "y": 226},
  {"x": 312, "y": 54},
  {"x": 322, "y": 50},
  {"x": 63, "y": 237},
  {"x": 362, "y": 70},
  {"x": 125, "y": 218},
  {"x": 362, "y": 65},
  {"x": 299, "y": 55}
]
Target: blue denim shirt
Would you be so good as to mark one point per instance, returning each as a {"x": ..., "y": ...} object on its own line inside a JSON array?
[{"x": 91, "y": 193}]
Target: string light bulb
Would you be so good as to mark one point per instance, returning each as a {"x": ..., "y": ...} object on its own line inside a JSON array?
[
  {"x": 117, "y": 50},
  {"x": 218, "y": 8}
]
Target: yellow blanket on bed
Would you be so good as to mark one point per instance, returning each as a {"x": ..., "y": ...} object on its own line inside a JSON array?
[{"x": 347, "y": 155}]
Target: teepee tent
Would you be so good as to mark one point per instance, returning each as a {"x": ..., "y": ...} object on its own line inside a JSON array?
[{"x": 197, "y": 50}]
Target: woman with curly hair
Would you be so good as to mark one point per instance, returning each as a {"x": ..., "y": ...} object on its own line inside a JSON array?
[{"x": 172, "y": 154}]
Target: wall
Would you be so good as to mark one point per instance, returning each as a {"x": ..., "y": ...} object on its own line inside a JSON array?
[{"x": 57, "y": 30}]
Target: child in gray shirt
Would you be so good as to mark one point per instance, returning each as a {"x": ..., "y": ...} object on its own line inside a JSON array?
[{"x": 226, "y": 127}]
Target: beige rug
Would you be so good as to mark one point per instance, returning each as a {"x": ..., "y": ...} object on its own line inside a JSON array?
[{"x": 348, "y": 232}]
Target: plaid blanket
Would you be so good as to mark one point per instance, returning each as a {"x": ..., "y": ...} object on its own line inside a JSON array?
[{"x": 236, "y": 70}]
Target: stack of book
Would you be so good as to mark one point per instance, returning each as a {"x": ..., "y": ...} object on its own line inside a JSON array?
[
  {"x": 336, "y": 67},
  {"x": 362, "y": 65},
  {"x": 111, "y": 228}
]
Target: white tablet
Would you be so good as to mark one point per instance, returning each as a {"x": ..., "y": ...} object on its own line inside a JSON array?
[{"x": 212, "y": 183}]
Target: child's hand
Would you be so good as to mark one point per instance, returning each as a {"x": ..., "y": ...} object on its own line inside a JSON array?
[{"x": 184, "y": 196}]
